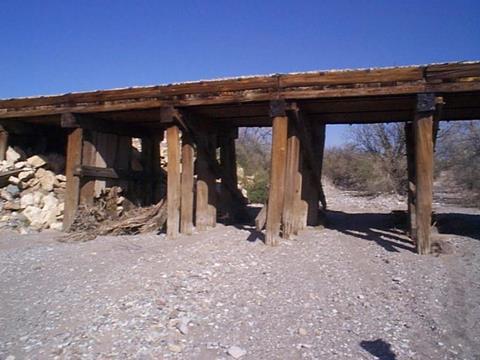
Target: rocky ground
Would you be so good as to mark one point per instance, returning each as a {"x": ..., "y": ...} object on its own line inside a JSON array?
[{"x": 352, "y": 290}]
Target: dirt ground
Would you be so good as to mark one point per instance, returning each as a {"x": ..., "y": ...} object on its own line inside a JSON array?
[{"x": 353, "y": 290}]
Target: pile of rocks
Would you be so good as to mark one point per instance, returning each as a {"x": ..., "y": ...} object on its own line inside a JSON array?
[{"x": 32, "y": 192}]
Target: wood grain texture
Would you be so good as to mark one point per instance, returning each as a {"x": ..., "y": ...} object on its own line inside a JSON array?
[
  {"x": 277, "y": 180},
  {"x": 423, "y": 129},
  {"x": 411, "y": 198},
  {"x": 72, "y": 191},
  {"x": 186, "y": 208},
  {"x": 173, "y": 181}
]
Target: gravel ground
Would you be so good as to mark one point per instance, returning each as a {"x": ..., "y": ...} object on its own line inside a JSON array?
[{"x": 352, "y": 290}]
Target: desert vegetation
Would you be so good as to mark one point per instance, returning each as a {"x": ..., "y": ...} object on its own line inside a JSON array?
[{"x": 373, "y": 160}]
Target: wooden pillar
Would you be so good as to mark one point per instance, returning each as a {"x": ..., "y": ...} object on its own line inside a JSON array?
[
  {"x": 158, "y": 174},
  {"x": 72, "y": 191},
  {"x": 212, "y": 180},
  {"x": 3, "y": 143},
  {"x": 411, "y": 198},
  {"x": 202, "y": 213},
  {"x": 173, "y": 181},
  {"x": 277, "y": 171},
  {"x": 147, "y": 155},
  {"x": 423, "y": 129},
  {"x": 87, "y": 185},
  {"x": 186, "y": 208},
  {"x": 123, "y": 161},
  {"x": 291, "y": 214},
  {"x": 228, "y": 157}
]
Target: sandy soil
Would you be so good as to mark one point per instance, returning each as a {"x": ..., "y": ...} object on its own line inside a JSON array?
[{"x": 352, "y": 290}]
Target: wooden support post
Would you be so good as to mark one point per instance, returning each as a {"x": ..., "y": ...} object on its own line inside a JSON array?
[
  {"x": 173, "y": 181},
  {"x": 423, "y": 129},
  {"x": 3, "y": 143},
  {"x": 72, "y": 191},
  {"x": 202, "y": 214},
  {"x": 277, "y": 172},
  {"x": 212, "y": 181},
  {"x": 228, "y": 158},
  {"x": 147, "y": 156},
  {"x": 411, "y": 199},
  {"x": 87, "y": 185},
  {"x": 158, "y": 173},
  {"x": 186, "y": 208},
  {"x": 291, "y": 221}
]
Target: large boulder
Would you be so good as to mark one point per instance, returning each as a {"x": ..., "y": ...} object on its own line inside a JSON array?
[{"x": 47, "y": 179}]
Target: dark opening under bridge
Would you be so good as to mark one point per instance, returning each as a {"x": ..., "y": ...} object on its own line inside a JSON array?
[{"x": 200, "y": 117}]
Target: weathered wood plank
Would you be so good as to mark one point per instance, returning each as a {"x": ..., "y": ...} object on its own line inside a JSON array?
[
  {"x": 173, "y": 181},
  {"x": 292, "y": 194},
  {"x": 411, "y": 198},
  {"x": 3, "y": 143},
  {"x": 72, "y": 191},
  {"x": 96, "y": 172},
  {"x": 423, "y": 129},
  {"x": 277, "y": 177},
  {"x": 186, "y": 208},
  {"x": 87, "y": 185}
]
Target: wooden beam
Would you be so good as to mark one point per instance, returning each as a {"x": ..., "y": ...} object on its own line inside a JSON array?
[
  {"x": 212, "y": 180},
  {"x": 72, "y": 191},
  {"x": 186, "y": 208},
  {"x": 312, "y": 158},
  {"x": 173, "y": 181},
  {"x": 423, "y": 129},
  {"x": 87, "y": 184},
  {"x": 102, "y": 173},
  {"x": 94, "y": 123},
  {"x": 277, "y": 172},
  {"x": 3, "y": 143},
  {"x": 411, "y": 198},
  {"x": 292, "y": 186}
]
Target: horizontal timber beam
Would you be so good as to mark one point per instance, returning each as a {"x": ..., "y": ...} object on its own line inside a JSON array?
[{"x": 107, "y": 173}]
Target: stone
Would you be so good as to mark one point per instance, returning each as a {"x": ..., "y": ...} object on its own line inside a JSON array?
[
  {"x": 302, "y": 331},
  {"x": 61, "y": 177},
  {"x": 26, "y": 175},
  {"x": 20, "y": 164},
  {"x": 34, "y": 216},
  {"x": 12, "y": 190},
  {"x": 14, "y": 180},
  {"x": 50, "y": 209},
  {"x": 38, "y": 198},
  {"x": 236, "y": 352},
  {"x": 182, "y": 325},
  {"x": 47, "y": 179},
  {"x": 58, "y": 226},
  {"x": 13, "y": 206},
  {"x": 14, "y": 154},
  {"x": 175, "y": 348},
  {"x": 36, "y": 161},
  {"x": 5, "y": 195},
  {"x": 27, "y": 200}
]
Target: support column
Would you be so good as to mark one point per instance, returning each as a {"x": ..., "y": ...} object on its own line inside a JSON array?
[
  {"x": 3, "y": 143},
  {"x": 212, "y": 180},
  {"x": 87, "y": 185},
  {"x": 277, "y": 171},
  {"x": 291, "y": 213},
  {"x": 72, "y": 191},
  {"x": 411, "y": 199},
  {"x": 423, "y": 129},
  {"x": 202, "y": 215},
  {"x": 173, "y": 181},
  {"x": 186, "y": 208}
]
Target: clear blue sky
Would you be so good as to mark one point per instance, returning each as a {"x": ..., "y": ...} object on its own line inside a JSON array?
[{"x": 53, "y": 47}]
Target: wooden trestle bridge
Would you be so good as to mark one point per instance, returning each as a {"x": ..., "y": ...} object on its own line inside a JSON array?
[{"x": 200, "y": 117}]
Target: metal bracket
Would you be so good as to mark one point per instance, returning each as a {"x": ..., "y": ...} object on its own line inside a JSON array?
[
  {"x": 426, "y": 102},
  {"x": 278, "y": 107}
]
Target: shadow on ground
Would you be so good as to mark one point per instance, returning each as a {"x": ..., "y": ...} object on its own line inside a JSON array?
[
  {"x": 387, "y": 230},
  {"x": 379, "y": 348},
  {"x": 458, "y": 224}
]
